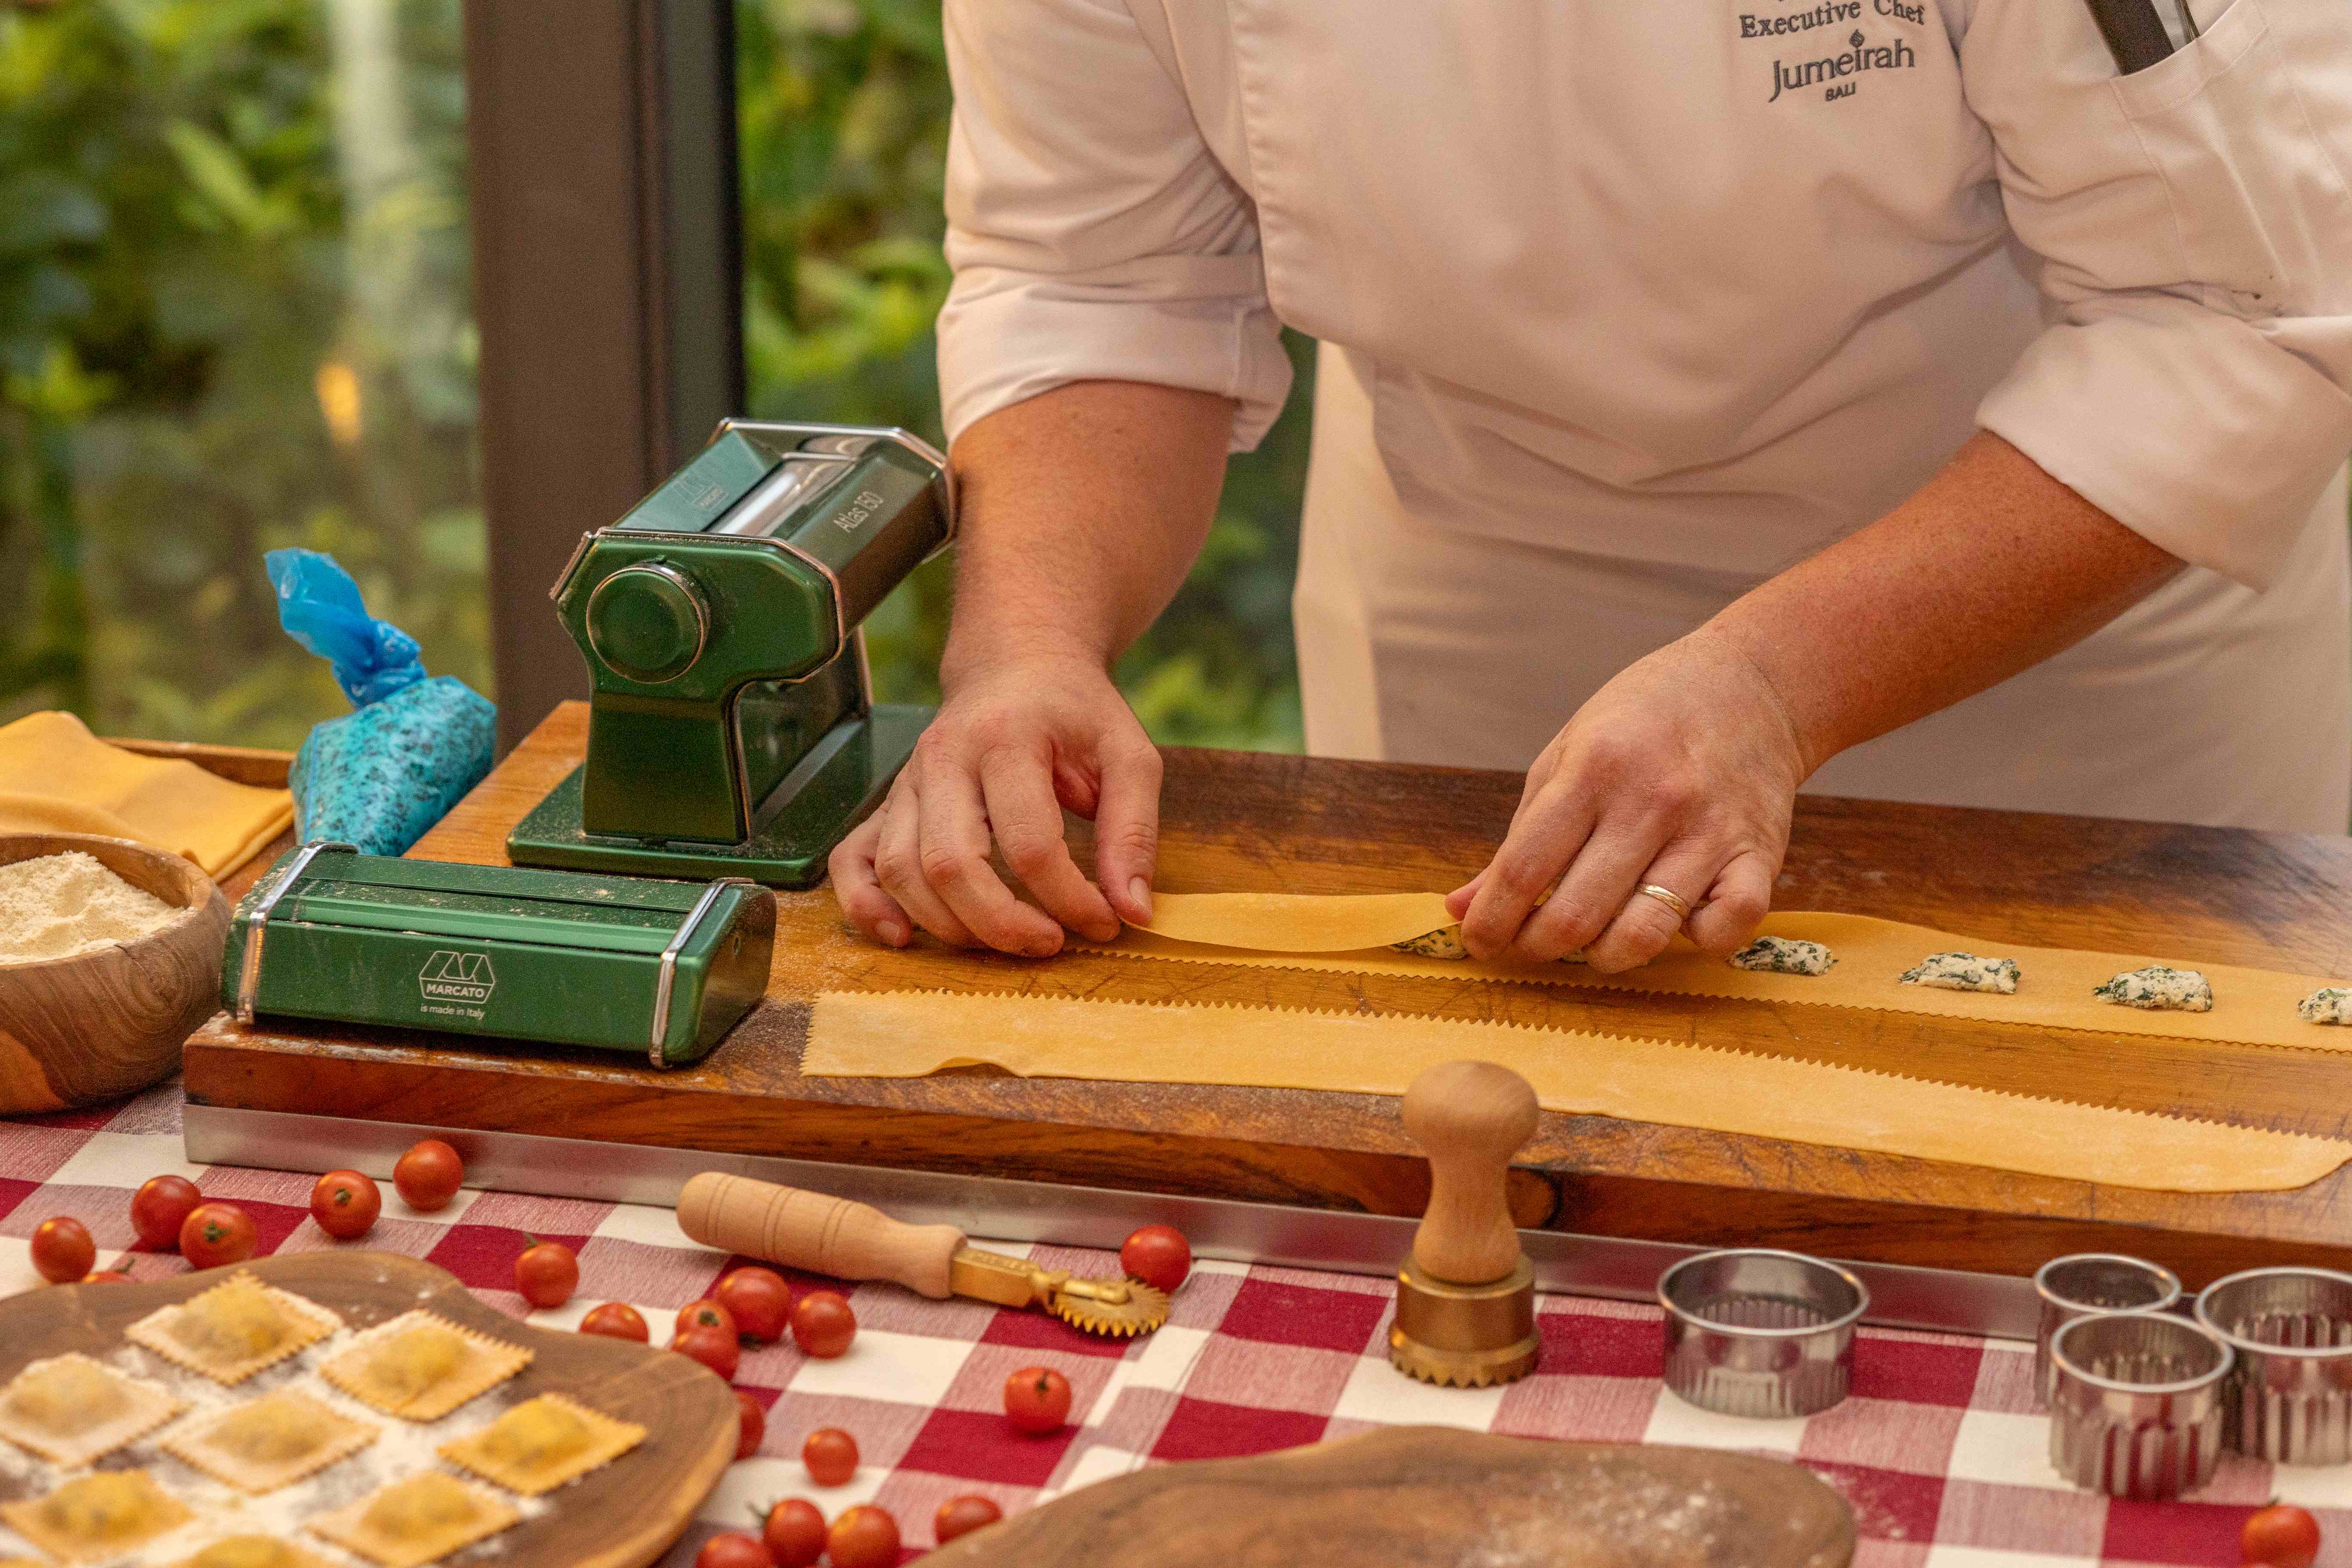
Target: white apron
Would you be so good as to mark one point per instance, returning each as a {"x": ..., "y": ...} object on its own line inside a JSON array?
[{"x": 2208, "y": 702}]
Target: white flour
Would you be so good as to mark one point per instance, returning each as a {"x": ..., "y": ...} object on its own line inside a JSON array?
[{"x": 61, "y": 906}]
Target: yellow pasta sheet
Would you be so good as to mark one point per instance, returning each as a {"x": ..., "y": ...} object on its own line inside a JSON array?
[
  {"x": 1284, "y": 930},
  {"x": 908, "y": 1034}
]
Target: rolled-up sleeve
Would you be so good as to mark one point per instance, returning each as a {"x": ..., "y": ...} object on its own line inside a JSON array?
[
  {"x": 1093, "y": 234},
  {"x": 2194, "y": 229}
]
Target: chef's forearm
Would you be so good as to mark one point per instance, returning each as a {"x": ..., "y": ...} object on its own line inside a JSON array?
[
  {"x": 1082, "y": 507},
  {"x": 1991, "y": 568}
]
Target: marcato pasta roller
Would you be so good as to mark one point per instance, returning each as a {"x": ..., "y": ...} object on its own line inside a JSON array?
[
  {"x": 657, "y": 970},
  {"x": 850, "y": 1240},
  {"x": 732, "y": 728}
]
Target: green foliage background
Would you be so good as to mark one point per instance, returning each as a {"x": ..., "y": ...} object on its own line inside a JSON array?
[
  {"x": 843, "y": 110},
  {"x": 179, "y": 242},
  {"x": 203, "y": 203}
]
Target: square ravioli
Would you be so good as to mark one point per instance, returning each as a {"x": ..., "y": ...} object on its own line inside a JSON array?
[
  {"x": 249, "y": 1551},
  {"x": 98, "y": 1517},
  {"x": 70, "y": 1410},
  {"x": 543, "y": 1443},
  {"x": 270, "y": 1442},
  {"x": 420, "y": 1367},
  {"x": 233, "y": 1330},
  {"x": 409, "y": 1523}
]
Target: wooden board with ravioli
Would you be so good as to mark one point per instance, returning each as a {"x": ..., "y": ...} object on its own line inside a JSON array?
[
  {"x": 132, "y": 1429},
  {"x": 1233, "y": 822}
]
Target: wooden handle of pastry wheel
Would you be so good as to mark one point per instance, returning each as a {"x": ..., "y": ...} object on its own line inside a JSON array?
[
  {"x": 1469, "y": 1118},
  {"x": 809, "y": 1230}
]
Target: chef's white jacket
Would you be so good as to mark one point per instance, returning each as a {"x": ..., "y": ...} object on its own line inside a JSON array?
[{"x": 1626, "y": 306}]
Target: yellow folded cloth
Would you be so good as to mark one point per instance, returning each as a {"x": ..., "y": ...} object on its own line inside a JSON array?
[{"x": 57, "y": 777}]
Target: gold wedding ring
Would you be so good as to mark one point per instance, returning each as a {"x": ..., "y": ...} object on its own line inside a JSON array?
[{"x": 1667, "y": 897}]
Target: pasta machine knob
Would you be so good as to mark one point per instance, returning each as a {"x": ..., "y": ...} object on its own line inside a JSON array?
[{"x": 648, "y": 623}]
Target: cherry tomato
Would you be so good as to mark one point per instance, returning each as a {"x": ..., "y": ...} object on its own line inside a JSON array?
[
  {"x": 962, "y": 1515},
  {"x": 160, "y": 1207},
  {"x": 831, "y": 1456},
  {"x": 1158, "y": 1255},
  {"x": 215, "y": 1234},
  {"x": 755, "y": 1418},
  {"x": 707, "y": 1314},
  {"x": 429, "y": 1175},
  {"x": 62, "y": 1250},
  {"x": 2280, "y": 1536},
  {"x": 823, "y": 1324},
  {"x": 714, "y": 1348},
  {"x": 760, "y": 1299},
  {"x": 615, "y": 1321},
  {"x": 794, "y": 1532},
  {"x": 733, "y": 1550},
  {"x": 546, "y": 1273},
  {"x": 864, "y": 1537},
  {"x": 106, "y": 1277},
  {"x": 345, "y": 1204},
  {"x": 1037, "y": 1399}
]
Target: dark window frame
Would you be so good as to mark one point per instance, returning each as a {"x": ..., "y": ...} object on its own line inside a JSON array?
[{"x": 607, "y": 287}]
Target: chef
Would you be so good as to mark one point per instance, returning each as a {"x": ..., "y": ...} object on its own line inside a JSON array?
[{"x": 1882, "y": 394}]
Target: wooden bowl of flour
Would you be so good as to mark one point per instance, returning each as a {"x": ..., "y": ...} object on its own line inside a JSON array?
[{"x": 104, "y": 1024}]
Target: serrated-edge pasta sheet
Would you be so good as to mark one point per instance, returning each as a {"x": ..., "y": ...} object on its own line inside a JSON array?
[{"x": 2054, "y": 991}]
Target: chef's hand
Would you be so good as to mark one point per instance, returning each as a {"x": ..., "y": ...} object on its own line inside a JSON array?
[
  {"x": 1681, "y": 772},
  {"x": 1011, "y": 746}
]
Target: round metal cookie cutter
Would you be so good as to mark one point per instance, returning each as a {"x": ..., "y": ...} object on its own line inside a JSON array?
[
  {"x": 1758, "y": 1332},
  {"x": 2290, "y": 1398},
  {"x": 2084, "y": 1284},
  {"x": 2135, "y": 1410}
]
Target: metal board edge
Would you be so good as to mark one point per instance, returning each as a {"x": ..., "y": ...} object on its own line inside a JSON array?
[{"x": 1000, "y": 1208}]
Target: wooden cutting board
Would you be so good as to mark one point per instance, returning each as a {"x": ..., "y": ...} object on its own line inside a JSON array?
[
  {"x": 621, "y": 1516},
  {"x": 1233, "y": 820},
  {"x": 1432, "y": 1496}
]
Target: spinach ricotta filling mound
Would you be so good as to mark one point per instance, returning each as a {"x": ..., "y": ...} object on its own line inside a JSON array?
[
  {"x": 2329, "y": 1004},
  {"x": 1445, "y": 943},
  {"x": 1783, "y": 955},
  {"x": 2158, "y": 987},
  {"x": 1964, "y": 971}
]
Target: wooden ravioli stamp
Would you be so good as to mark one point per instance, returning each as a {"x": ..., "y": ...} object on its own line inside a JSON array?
[
  {"x": 249, "y": 1552},
  {"x": 420, "y": 1367},
  {"x": 70, "y": 1410},
  {"x": 543, "y": 1443},
  {"x": 270, "y": 1442},
  {"x": 233, "y": 1330},
  {"x": 412, "y": 1523},
  {"x": 99, "y": 1517}
]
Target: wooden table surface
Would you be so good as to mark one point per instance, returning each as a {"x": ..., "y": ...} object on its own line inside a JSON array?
[{"x": 1234, "y": 821}]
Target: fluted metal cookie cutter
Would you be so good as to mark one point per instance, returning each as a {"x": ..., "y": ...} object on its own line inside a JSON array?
[
  {"x": 2289, "y": 1399},
  {"x": 2085, "y": 1284},
  {"x": 2135, "y": 1406},
  {"x": 1758, "y": 1332}
]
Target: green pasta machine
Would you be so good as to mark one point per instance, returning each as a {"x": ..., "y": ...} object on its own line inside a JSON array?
[
  {"x": 660, "y": 969},
  {"x": 732, "y": 728}
]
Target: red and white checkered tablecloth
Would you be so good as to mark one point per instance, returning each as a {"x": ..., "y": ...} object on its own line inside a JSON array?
[{"x": 1938, "y": 1449}]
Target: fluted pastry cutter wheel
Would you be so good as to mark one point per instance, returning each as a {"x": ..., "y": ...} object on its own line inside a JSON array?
[{"x": 851, "y": 1240}]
